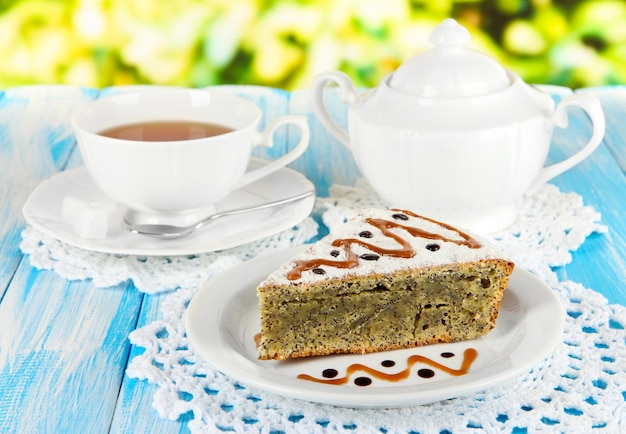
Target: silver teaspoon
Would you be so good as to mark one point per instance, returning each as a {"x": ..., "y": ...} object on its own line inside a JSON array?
[{"x": 171, "y": 231}]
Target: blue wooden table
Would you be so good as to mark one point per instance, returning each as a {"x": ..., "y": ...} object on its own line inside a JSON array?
[{"x": 64, "y": 344}]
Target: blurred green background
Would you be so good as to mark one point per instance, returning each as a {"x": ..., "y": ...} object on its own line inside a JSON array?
[{"x": 285, "y": 43}]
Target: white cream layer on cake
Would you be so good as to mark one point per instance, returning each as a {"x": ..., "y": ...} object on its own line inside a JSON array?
[{"x": 380, "y": 241}]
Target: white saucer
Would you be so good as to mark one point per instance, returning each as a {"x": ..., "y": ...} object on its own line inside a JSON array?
[
  {"x": 221, "y": 326},
  {"x": 44, "y": 210}
]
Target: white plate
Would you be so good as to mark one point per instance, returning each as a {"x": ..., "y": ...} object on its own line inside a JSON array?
[
  {"x": 44, "y": 211},
  {"x": 223, "y": 318}
]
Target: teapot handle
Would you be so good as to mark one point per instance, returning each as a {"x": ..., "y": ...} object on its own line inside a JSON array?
[
  {"x": 591, "y": 105},
  {"x": 348, "y": 96}
]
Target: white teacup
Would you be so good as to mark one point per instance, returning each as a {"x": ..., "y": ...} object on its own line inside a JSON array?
[{"x": 181, "y": 179}]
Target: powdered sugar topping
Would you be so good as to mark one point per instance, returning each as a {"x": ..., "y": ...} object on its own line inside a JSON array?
[{"x": 382, "y": 241}]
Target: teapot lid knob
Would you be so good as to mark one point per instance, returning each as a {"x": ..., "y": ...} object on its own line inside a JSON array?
[
  {"x": 449, "y": 70},
  {"x": 449, "y": 34}
]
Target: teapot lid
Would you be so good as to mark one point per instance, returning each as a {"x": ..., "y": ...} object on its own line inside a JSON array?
[{"x": 449, "y": 69}]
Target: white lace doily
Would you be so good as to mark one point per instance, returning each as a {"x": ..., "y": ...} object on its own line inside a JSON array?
[
  {"x": 150, "y": 274},
  {"x": 581, "y": 387}
]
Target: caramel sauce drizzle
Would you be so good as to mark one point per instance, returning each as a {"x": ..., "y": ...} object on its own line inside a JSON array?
[
  {"x": 469, "y": 355},
  {"x": 406, "y": 251}
]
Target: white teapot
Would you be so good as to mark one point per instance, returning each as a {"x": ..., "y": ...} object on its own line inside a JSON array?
[{"x": 453, "y": 135}]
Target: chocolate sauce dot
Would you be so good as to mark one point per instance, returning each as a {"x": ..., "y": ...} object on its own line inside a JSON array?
[
  {"x": 334, "y": 253},
  {"x": 318, "y": 271},
  {"x": 369, "y": 257},
  {"x": 329, "y": 373},
  {"x": 366, "y": 234},
  {"x": 399, "y": 216},
  {"x": 388, "y": 363},
  {"x": 447, "y": 355},
  {"x": 432, "y": 247},
  {"x": 426, "y": 373},
  {"x": 362, "y": 381}
]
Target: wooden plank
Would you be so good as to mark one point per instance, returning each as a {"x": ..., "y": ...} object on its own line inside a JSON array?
[
  {"x": 134, "y": 411},
  {"x": 35, "y": 142},
  {"x": 63, "y": 349},
  {"x": 602, "y": 184},
  {"x": 327, "y": 161},
  {"x": 324, "y": 171},
  {"x": 63, "y": 345},
  {"x": 613, "y": 100}
]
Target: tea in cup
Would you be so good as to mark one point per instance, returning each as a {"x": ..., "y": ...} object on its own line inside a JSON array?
[{"x": 169, "y": 155}]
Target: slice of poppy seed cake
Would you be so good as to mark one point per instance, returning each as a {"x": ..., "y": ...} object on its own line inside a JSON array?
[{"x": 387, "y": 279}]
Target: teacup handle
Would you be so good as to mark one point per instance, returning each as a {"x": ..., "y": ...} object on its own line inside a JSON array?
[
  {"x": 266, "y": 138},
  {"x": 348, "y": 94},
  {"x": 591, "y": 105}
]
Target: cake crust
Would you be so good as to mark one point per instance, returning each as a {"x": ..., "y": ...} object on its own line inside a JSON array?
[{"x": 388, "y": 279}]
